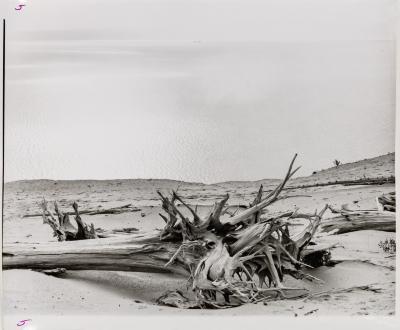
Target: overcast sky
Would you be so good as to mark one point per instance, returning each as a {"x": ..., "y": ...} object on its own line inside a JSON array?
[{"x": 196, "y": 90}]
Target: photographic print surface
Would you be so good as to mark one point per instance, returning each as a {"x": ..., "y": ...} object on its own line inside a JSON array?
[{"x": 199, "y": 157}]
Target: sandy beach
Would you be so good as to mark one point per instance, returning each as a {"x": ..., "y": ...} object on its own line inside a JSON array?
[{"x": 83, "y": 292}]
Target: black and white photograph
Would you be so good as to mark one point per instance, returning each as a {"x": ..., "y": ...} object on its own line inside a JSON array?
[{"x": 198, "y": 158}]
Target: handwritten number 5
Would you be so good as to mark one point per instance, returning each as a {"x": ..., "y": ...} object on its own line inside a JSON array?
[
  {"x": 20, "y": 7},
  {"x": 22, "y": 322}
]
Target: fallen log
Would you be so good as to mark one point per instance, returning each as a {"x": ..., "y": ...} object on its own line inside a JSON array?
[
  {"x": 134, "y": 252},
  {"x": 387, "y": 202},
  {"x": 101, "y": 233},
  {"x": 361, "y": 220},
  {"x": 357, "y": 182},
  {"x": 114, "y": 210}
]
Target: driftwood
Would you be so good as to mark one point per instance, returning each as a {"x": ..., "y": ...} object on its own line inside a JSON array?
[
  {"x": 370, "y": 221},
  {"x": 357, "y": 182},
  {"x": 101, "y": 233},
  {"x": 133, "y": 252},
  {"x": 53, "y": 272},
  {"x": 114, "y": 210},
  {"x": 65, "y": 231},
  {"x": 63, "y": 228},
  {"x": 130, "y": 208},
  {"x": 387, "y": 202},
  {"x": 229, "y": 261},
  {"x": 354, "y": 220}
]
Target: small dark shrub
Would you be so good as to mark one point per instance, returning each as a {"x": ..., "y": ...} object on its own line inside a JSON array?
[
  {"x": 388, "y": 245},
  {"x": 336, "y": 162}
]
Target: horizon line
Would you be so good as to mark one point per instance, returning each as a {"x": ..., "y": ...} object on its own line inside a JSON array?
[{"x": 190, "y": 182}]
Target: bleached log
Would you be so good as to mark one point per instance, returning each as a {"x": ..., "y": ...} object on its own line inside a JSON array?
[
  {"x": 360, "y": 221},
  {"x": 387, "y": 202},
  {"x": 134, "y": 252}
]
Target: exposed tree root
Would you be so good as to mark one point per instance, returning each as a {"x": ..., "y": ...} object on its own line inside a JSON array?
[
  {"x": 243, "y": 258},
  {"x": 63, "y": 228}
]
